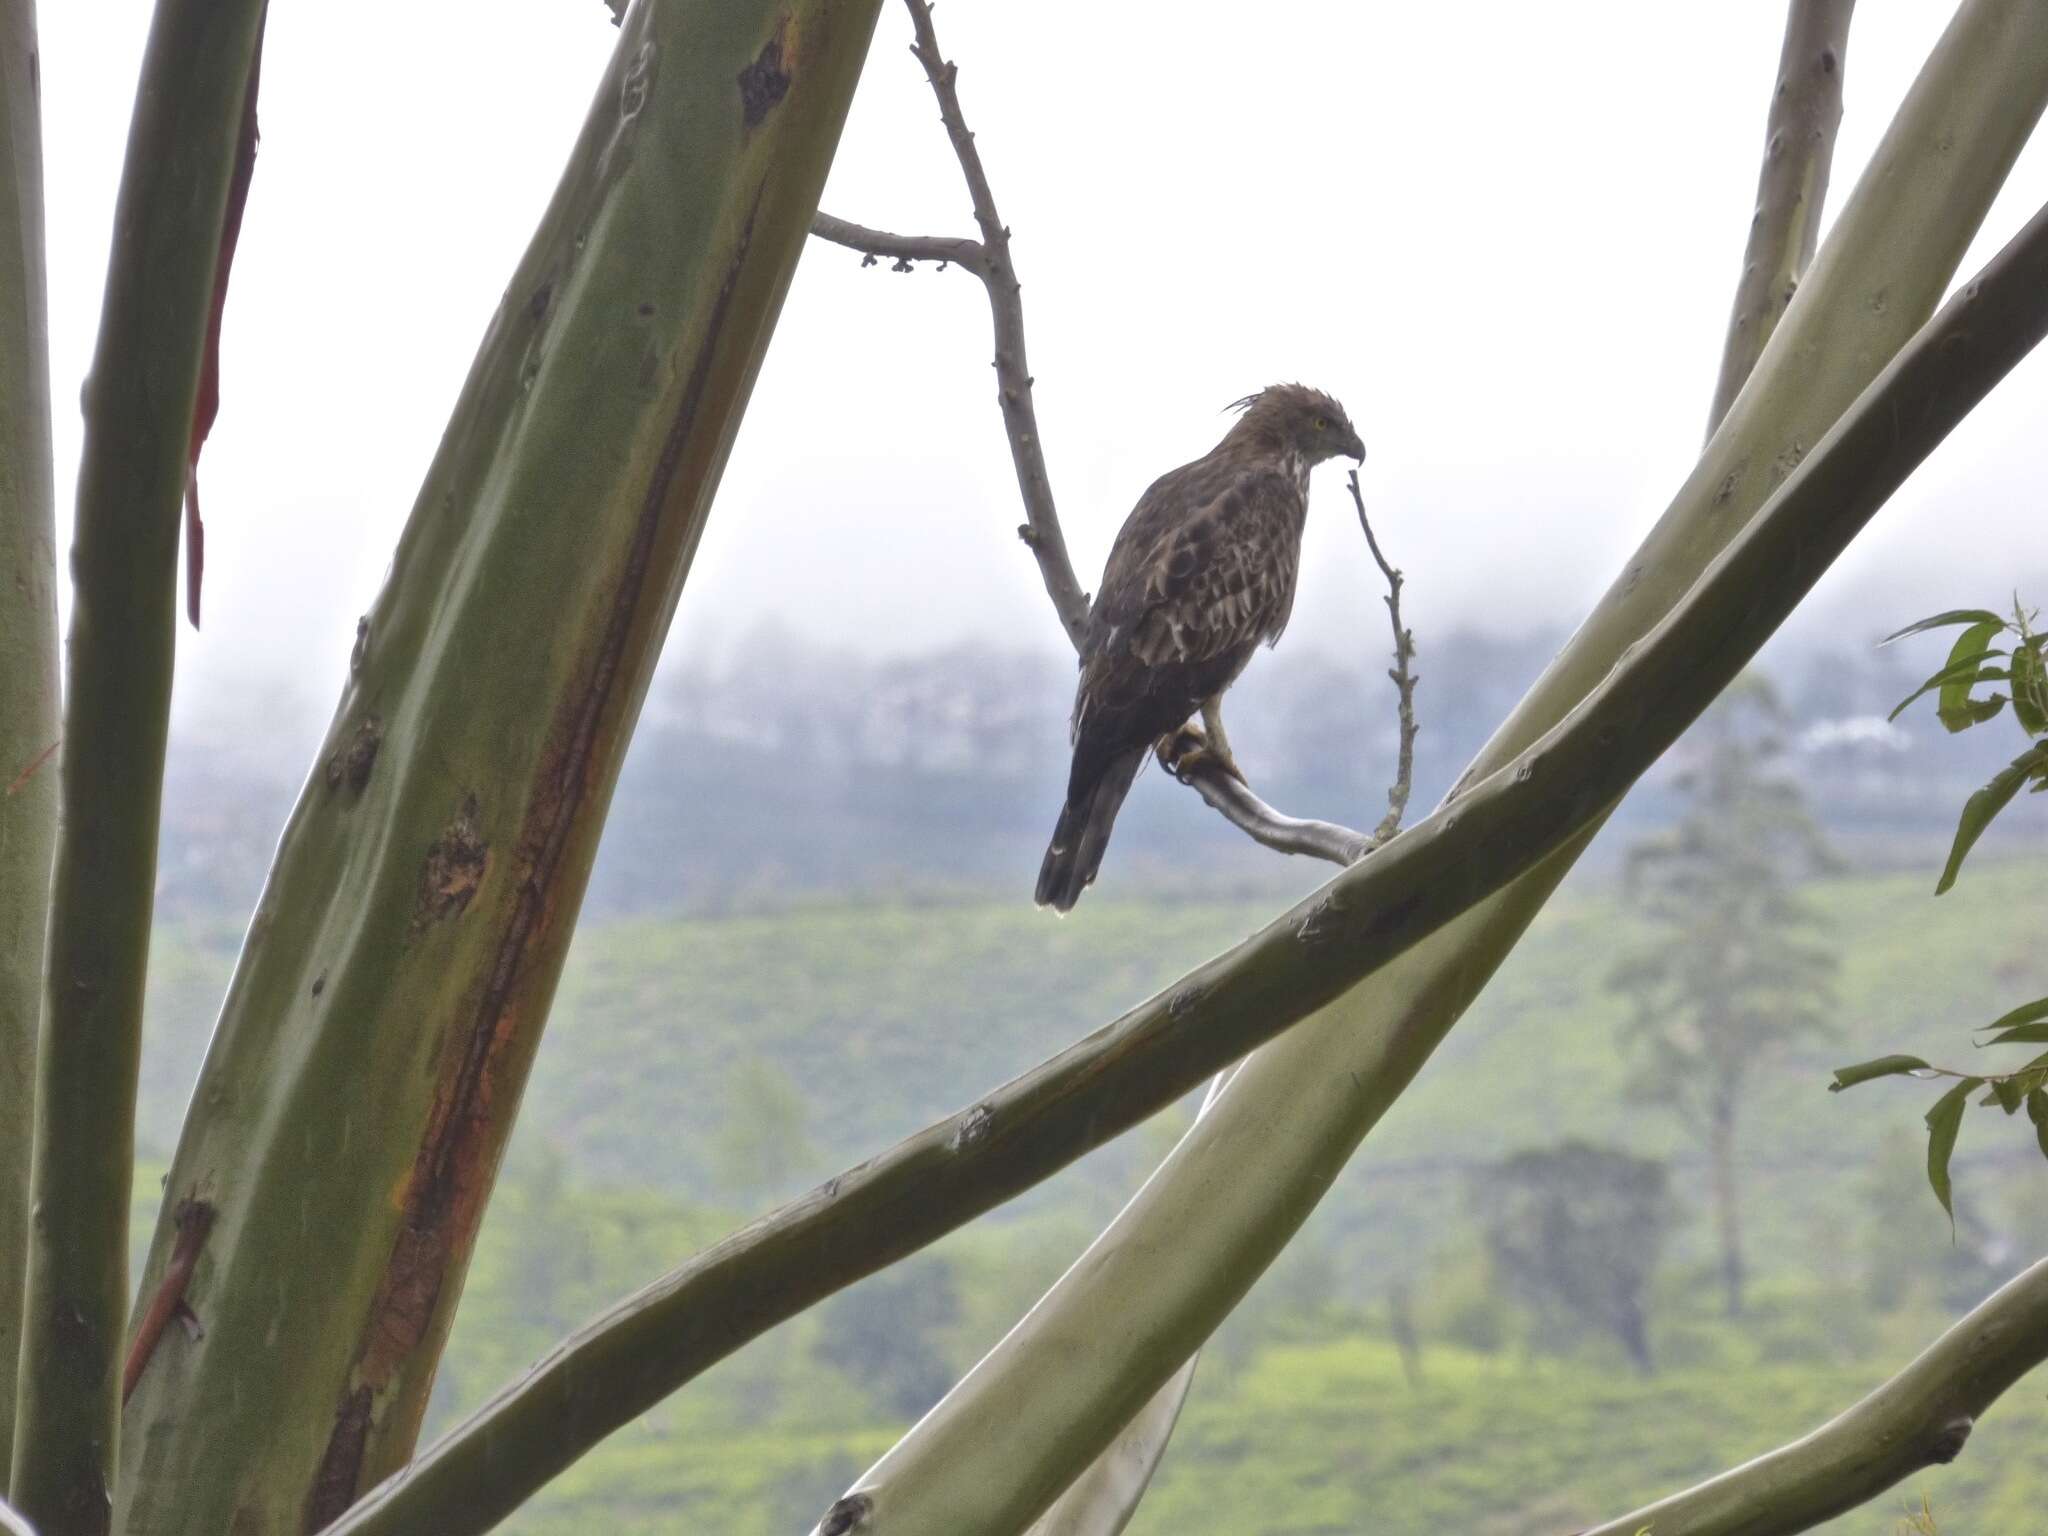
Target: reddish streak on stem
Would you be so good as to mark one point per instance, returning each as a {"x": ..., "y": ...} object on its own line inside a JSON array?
[
  {"x": 21, "y": 779},
  {"x": 206, "y": 406},
  {"x": 195, "y": 1220}
]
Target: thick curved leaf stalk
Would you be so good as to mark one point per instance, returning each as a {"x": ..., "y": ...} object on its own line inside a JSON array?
[
  {"x": 1410, "y": 895},
  {"x": 1102, "y": 1500},
  {"x": 1063, "y": 1384},
  {"x": 138, "y": 421},
  {"x": 356, "y": 1098},
  {"x": 28, "y": 658},
  {"x": 1921, "y": 1418}
]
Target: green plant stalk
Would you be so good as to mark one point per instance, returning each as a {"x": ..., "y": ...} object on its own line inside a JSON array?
[
  {"x": 361, "y": 1083},
  {"x": 1104, "y": 1498},
  {"x": 999, "y": 1448},
  {"x": 29, "y": 694},
  {"x": 1922, "y": 1417},
  {"x": 1410, "y": 893},
  {"x": 1791, "y": 189},
  {"x": 138, "y": 424}
]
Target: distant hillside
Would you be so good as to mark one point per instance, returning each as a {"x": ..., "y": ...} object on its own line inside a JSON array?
[
  {"x": 879, "y": 1018},
  {"x": 696, "y": 1069}
]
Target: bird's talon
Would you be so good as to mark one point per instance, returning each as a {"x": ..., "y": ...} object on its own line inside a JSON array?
[{"x": 1187, "y": 751}]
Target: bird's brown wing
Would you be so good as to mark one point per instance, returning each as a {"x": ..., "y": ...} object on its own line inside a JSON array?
[{"x": 1203, "y": 571}]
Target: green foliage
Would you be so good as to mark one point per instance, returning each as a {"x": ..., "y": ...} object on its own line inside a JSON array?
[
  {"x": 2026, "y": 1087},
  {"x": 1968, "y": 666},
  {"x": 1943, "y": 1122}
]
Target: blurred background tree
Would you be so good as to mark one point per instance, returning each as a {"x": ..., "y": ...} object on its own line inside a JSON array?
[
  {"x": 1574, "y": 1232},
  {"x": 1737, "y": 964}
]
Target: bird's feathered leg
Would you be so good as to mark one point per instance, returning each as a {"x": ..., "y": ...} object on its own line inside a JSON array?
[
  {"x": 1194, "y": 745},
  {"x": 1219, "y": 743}
]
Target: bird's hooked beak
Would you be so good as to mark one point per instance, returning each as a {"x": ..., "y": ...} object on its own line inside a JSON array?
[{"x": 1354, "y": 449}]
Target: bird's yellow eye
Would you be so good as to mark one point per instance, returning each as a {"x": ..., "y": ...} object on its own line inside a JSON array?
[{"x": 1321, "y": 423}]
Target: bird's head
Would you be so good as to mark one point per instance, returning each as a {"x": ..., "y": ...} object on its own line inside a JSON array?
[{"x": 1297, "y": 419}]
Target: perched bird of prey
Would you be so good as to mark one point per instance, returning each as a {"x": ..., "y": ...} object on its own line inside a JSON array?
[{"x": 1201, "y": 573}]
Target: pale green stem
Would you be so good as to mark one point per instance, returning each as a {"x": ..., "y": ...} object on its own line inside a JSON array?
[
  {"x": 1920, "y": 1418},
  {"x": 1792, "y": 187},
  {"x": 358, "y": 1091},
  {"x": 1102, "y": 1500},
  {"x": 131, "y": 483},
  {"x": 28, "y": 659}
]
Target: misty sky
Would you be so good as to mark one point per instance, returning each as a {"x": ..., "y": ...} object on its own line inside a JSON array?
[{"x": 1505, "y": 235}]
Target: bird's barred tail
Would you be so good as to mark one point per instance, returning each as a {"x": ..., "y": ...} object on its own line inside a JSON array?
[{"x": 1083, "y": 833}]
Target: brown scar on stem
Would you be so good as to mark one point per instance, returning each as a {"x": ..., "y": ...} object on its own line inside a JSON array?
[
  {"x": 453, "y": 870},
  {"x": 445, "y": 1190},
  {"x": 764, "y": 82},
  {"x": 334, "y": 1485},
  {"x": 351, "y": 764},
  {"x": 194, "y": 1219}
]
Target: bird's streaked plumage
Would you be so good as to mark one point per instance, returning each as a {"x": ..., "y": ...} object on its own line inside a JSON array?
[{"x": 1202, "y": 572}]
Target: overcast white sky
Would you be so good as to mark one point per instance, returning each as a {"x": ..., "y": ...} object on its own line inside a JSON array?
[{"x": 1505, "y": 235}]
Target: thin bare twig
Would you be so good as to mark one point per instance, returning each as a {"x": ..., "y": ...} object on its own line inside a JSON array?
[
  {"x": 902, "y": 250},
  {"x": 1041, "y": 531},
  {"x": 1401, "y": 674},
  {"x": 989, "y": 259}
]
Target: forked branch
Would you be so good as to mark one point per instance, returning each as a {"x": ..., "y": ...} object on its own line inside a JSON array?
[
  {"x": 1401, "y": 674},
  {"x": 989, "y": 259}
]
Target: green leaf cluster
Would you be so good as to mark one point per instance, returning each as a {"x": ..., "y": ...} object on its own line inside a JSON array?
[
  {"x": 1974, "y": 660},
  {"x": 2011, "y": 1091}
]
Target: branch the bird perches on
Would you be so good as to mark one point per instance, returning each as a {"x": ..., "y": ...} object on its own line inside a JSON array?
[{"x": 989, "y": 259}]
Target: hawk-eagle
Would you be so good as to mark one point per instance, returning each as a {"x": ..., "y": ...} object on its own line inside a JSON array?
[{"x": 1203, "y": 570}]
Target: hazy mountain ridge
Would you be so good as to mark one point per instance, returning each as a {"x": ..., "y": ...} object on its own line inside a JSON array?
[{"x": 797, "y": 769}]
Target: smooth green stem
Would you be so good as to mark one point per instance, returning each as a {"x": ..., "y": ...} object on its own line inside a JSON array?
[
  {"x": 362, "y": 1081},
  {"x": 625, "y": 1361},
  {"x": 28, "y": 658},
  {"x": 1184, "y": 1252},
  {"x": 1791, "y": 189},
  {"x": 1920, "y": 1418},
  {"x": 138, "y": 424},
  {"x": 1105, "y": 1497}
]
